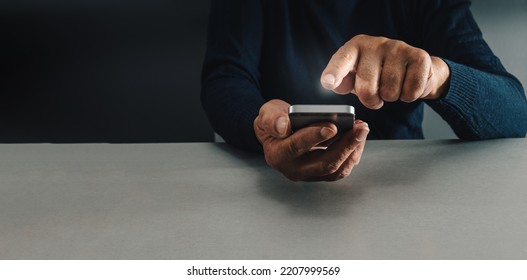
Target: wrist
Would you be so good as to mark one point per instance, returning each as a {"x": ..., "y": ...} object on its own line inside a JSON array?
[{"x": 441, "y": 78}]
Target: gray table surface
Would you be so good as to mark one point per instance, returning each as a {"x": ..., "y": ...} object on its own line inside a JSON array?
[{"x": 406, "y": 200}]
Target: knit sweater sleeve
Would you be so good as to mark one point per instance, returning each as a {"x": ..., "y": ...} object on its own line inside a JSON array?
[
  {"x": 230, "y": 91},
  {"x": 483, "y": 100}
]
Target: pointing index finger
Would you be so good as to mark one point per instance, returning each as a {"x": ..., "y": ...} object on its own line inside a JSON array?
[{"x": 340, "y": 65}]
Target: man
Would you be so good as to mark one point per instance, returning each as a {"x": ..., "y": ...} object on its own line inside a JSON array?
[{"x": 384, "y": 57}]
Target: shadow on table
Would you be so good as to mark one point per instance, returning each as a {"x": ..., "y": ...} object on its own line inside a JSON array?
[
  {"x": 309, "y": 198},
  {"x": 405, "y": 165},
  {"x": 303, "y": 198},
  {"x": 408, "y": 164}
]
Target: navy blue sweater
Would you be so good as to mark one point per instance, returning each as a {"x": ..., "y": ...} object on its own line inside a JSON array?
[{"x": 260, "y": 50}]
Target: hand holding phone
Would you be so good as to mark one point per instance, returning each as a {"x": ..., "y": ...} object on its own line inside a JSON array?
[{"x": 293, "y": 155}]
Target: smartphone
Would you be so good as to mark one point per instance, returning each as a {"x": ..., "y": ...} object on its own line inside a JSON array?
[{"x": 343, "y": 116}]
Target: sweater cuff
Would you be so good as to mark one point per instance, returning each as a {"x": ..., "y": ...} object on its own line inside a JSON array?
[{"x": 463, "y": 88}]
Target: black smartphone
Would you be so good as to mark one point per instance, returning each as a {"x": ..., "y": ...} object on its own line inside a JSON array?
[{"x": 343, "y": 116}]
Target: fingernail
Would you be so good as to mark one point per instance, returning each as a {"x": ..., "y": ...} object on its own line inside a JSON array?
[
  {"x": 363, "y": 134},
  {"x": 329, "y": 79},
  {"x": 327, "y": 132},
  {"x": 281, "y": 125}
]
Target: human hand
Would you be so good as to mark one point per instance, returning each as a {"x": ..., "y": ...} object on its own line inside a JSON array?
[
  {"x": 378, "y": 69},
  {"x": 295, "y": 155}
]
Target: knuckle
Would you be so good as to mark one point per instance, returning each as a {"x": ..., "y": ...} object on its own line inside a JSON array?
[
  {"x": 383, "y": 40},
  {"x": 365, "y": 90},
  {"x": 388, "y": 93},
  {"x": 410, "y": 96},
  {"x": 418, "y": 80},
  {"x": 390, "y": 79},
  {"x": 371, "y": 102},
  {"x": 294, "y": 148},
  {"x": 351, "y": 144},
  {"x": 341, "y": 59},
  {"x": 356, "y": 161},
  {"x": 275, "y": 102},
  {"x": 420, "y": 56},
  {"x": 367, "y": 73},
  {"x": 342, "y": 54},
  {"x": 353, "y": 160},
  {"x": 267, "y": 106},
  {"x": 263, "y": 118},
  {"x": 339, "y": 175},
  {"x": 271, "y": 159},
  {"x": 386, "y": 44},
  {"x": 359, "y": 37},
  {"x": 262, "y": 110},
  {"x": 392, "y": 49},
  {"x": 390, "y": 44},
  {"x": 329, "y": 167},
  {"x": 265, "y": 124},
  {"x": 345, "y": 173},
  {"x": 401, "y": 45},
  {"x": 340, "y": 67},
  {"x": 398, "y": 50},
  {"x": 276, "y": 164},
  {"x": 342, "y": 175}
]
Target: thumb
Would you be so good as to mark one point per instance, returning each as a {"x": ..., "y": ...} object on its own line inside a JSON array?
[{"x": 281, "y": 127}]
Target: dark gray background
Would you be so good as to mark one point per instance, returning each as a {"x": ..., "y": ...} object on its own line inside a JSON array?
[
  {"x": 128, "y": 71},
  {"x": 102, "y": 71}
]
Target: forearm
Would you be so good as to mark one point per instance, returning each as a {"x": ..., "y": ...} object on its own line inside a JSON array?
[
  {"x": 232, "y": 105},
  {"x": 230, "y": 91},
  {"x": 483, "y": 100},
  {"x": 482, "y": 105}
]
